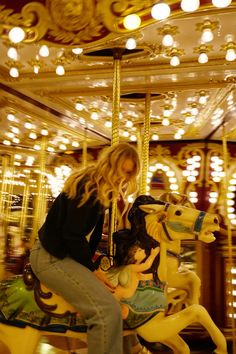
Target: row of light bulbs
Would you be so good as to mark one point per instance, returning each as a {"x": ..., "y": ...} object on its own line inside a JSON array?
[
  {"x": 159, "y": 11},
  {"x": 13, "y": 135},
  {"x": 191, "y": 172}
]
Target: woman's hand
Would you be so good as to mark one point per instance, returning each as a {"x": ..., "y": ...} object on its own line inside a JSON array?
[
  {"x": 101, "y": 275},
  {"x": 153, "y": 254}
]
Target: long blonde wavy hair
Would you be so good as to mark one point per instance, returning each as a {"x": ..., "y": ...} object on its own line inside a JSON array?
[{"x": 106, "y": 178}]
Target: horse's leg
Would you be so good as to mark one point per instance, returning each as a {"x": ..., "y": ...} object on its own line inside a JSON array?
[
  {"x": 20, "y": 340},
  {"x": 188, "y": 281},
  {"x": 177, "y": 344},
  {"x": 162, "y": 327}
]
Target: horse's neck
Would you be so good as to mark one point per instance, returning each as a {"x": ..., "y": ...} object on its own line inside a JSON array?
[{"x": 174, "y": 246}]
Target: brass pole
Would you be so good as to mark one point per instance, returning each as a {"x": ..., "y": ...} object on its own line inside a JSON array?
[
  {"x": 229, "y": 236},
  {"x": 9, "y": 179},
  {"x": 24, "y": 210},
  {"x": 4, "y": 184},
  {"x": 117, "y": 53},
  {"x": 145, "y": 145},
  {"x": 84, "y": 155},
  {"x": 40, "y": 199},
  {"x": 139, "y": 149}
]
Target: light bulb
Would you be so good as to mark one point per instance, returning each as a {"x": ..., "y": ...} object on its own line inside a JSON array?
[
  {"x": 14, "y": 72},
  {"x": 44, "y": 51},
  {"x": 230, "y": 54},
  {"x": 12, "y": 53},
  {"x": 132, "y": 22},
  {"x": 221, "y": 3},
  {"x": 177, "y": 136},
  {"x": 160, "y": 11},
  {"x": 60, "y": 70},
  {"x": 28, "y": 125},
  {"x": 77, "y": 51},
  {"x": 181, "y": 131},
  {"x": 168, "y": 40},
  {"x": 79, "y": 106},
  {"x": 190, "y": 6},
  {"x": 36, "y": 69},
  {"x": 207, "y": 35},
  {"x": 165, "y": 121},
  {"x": 44, "y": 132},
  {"x": 202, "y": 99},
  {"x": 155, "y": 137},
  {"x": 174, "y": 61},
  {"x": 130, "y": 43},
  {"x": 16, "y": 35},
  {"x": 203, "y": 58}
]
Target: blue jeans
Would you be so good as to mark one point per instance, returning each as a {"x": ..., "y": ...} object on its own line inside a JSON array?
[{"x": 81, "y": 288}]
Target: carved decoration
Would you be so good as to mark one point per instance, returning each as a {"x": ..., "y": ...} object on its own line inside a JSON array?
[{"x": 78, "y": 22}]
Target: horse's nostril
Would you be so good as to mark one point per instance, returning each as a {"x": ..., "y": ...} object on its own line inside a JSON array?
[{"x": 216, "y": 220}]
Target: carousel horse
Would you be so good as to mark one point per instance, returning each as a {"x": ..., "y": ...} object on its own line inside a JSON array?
[
  {"x": 146, "y": 302},
  {"x": 183, "y": 284},
  {"x": 28, "y": 309}
]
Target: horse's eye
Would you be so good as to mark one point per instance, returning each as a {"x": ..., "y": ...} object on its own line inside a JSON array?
[{"x": 178, "y": 212}]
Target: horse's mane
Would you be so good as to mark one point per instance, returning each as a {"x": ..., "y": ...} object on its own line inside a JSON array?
[{"x": 125, "y": 238}]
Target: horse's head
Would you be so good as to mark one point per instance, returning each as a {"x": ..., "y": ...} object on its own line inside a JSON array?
[{"x": 170, "y": 222}]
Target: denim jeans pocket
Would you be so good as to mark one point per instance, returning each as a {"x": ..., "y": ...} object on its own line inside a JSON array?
[{"x": 41, "y": 260}]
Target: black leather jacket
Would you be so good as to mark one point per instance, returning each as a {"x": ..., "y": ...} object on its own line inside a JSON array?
[{"x": 67, "y": 225}]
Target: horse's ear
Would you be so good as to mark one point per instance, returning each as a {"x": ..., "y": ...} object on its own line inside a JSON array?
[{"x": 151, "y": 208}]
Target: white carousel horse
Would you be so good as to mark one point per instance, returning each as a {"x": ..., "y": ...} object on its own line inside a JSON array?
[
  {"x": 154, "y": 225},
  {"x": 28, "y": 309},
  {"x": 186, "y": 283}
]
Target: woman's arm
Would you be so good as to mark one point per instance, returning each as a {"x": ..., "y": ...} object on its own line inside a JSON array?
[{"x": 139, "y": 268}]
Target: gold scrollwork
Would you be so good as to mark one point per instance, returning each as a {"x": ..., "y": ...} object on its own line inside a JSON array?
[
  {"x": 74, "y": 22},
  {"x": 33, "y": 19}
]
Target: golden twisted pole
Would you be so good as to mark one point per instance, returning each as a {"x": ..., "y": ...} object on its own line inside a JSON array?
[
  {"x": 4, "y": 184},
  {"x": 145, "y": 145},
  {"x": 10, "y": 176},
  {"x": 24, "y": 210},
  {"x": 40, "y": 200},
  {"x": 85, "y": 147},
  {"x": 229, "y": 236},
  {"x": 117, "y": 54}
]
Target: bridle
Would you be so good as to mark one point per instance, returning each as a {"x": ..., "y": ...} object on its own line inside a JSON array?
[{"x": 196, "y": 229}]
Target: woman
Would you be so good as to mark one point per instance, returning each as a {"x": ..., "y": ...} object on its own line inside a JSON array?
[{"x": 63, "y": 257}]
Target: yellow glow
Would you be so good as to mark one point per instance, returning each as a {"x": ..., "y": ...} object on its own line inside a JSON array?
[{"x": 132, "y": 22}]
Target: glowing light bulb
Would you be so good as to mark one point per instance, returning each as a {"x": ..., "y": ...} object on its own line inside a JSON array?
[
  {"x": 230, "y": 54},
  {"x": 168, "y": 40},
  {"x": 165, "y": 122},
  {"x": 36, "y": 69},
  {"x": 130, "y": 43},
  {"x": 14, "y": 72},
  {"x": 174, "y": 61},
  {"x": 190, "y": 6},
  {"x": 16, "y": 35},
  {"x": 221, "y": 3},
  {"x": 77, "y": 51},
  {"x": 207, "y": 35},
  {"x": 12, "y": 53},
  {"x": 44, "y": 51},
  {"x": 60, "y": 70},
  {"x": 132, "y": 22},
  {"x": 160, "y": 11},
  {"x": 203, "y": 58}
]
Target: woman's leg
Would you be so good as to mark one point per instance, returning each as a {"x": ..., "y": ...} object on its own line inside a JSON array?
[{"x": 80, "y": 287}]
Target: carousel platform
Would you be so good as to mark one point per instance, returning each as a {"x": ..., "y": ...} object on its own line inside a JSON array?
[{"x": 63, "y": 345}]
